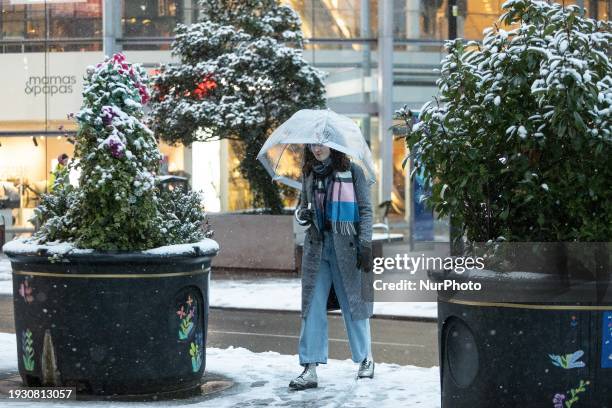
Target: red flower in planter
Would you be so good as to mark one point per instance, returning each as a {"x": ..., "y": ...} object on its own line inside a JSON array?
[{"x": 204, "y": 87}]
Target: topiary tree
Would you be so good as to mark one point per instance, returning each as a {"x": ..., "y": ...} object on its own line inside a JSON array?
[
  {"x": 116, "y": 205},
  {"x": 241, "y": 74},
  {"x": 517, "y": 145}
]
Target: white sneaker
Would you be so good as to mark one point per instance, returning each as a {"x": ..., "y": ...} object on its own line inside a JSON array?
[
  {"x": 308, "y": 379},
  {"x": 366, "y": 368}
]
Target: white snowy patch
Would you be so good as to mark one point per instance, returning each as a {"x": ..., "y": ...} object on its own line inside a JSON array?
[
  {"x": 205, "y": 246},
  {"x": 28, "y": 245},
  {"x": 286, "y": 294}
]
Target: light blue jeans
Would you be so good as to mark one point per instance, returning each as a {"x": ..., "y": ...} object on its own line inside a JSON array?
[{"x": 313, "y": 335}]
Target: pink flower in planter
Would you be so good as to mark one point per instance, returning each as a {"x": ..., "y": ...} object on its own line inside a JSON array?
[
  {"x": 115, "y": 145},
  {"x": 119, "y": 57},
  {"x": 116, "y": 148},
  {"x": 181, "y": 313},
  {"x": 144, "y": 93},
  {"x": 108, "y": 113}
]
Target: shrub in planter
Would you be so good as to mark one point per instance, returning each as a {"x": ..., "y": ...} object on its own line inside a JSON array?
[
  {"x": 517, "y": 144},
  {"x": 111, "y": 292},
  {"x": 517, "y": 148},
  {"x": 241, "y": 74}
]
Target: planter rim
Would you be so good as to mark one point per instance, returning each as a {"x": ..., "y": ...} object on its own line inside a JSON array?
[
  {"x": 488, "y": 274},
  {"x": 26, "y": 250},
  {"x": 521, "y": 287}
]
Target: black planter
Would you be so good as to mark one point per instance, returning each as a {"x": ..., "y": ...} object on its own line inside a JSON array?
[
  {"x": 510, "y": 354},
  {"x": 112, "y": 323}
]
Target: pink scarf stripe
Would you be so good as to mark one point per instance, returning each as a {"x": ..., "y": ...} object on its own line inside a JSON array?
[{"x": 347, "y": 192}]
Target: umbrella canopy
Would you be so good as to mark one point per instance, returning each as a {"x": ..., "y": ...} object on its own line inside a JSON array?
[{"x": 282, "y": 154}]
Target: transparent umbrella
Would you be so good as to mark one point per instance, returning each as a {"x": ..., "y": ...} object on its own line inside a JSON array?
[{"x": 282, "y": 154}]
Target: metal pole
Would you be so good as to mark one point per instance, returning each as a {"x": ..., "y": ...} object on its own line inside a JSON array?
[
  {"x": 452, "y": 19},
  {"x": 111, "y": 23},
  {"x": 187, "y": 12},
  {"x": 366, "y": 63},
  {"x": 385, "y": 97}
]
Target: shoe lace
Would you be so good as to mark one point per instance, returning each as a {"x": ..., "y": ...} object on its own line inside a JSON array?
[
  {"x": 365, "y": 363},
  {"x": 304, "y": 372}
]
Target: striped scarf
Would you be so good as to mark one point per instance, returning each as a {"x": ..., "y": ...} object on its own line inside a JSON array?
[{"x": 335, "y": 201}]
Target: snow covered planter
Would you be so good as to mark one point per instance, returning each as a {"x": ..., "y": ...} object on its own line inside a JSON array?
[
  {"x": 517, "y": 150},
  {"x": 111, "y": 295}
]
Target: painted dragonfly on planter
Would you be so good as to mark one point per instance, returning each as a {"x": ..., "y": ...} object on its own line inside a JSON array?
[{"x": 568, "y": 361}]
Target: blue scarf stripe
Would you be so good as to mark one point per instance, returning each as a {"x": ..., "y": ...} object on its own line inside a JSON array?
[{"x": 342, "y": 211}]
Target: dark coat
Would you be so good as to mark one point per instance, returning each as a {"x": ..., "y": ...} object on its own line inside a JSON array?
[{"x": 346, "y": 248}]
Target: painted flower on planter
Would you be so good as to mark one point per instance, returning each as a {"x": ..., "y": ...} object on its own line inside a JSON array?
[
  {"x": 27, "y": 346},
  {"x": 558, "y": 400},
  {"x": 187, "y": 314},
  {"x": 562, "y": 400},
  {"x": 574, "y": 321},
  {"x": 195, "y": 352},
  {"x": 26, "y": 291},
  {"x": 568, "y": 361}
]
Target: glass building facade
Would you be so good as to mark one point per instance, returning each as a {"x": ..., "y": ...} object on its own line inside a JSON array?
[{"x": 378, "y": 56}]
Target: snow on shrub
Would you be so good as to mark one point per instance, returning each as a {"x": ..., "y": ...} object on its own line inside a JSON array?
[
  {"x": 117, "y": 205},
  {"x": 517, "y": 145}
]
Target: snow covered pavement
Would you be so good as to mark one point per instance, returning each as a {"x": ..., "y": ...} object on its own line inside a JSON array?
[
  {"x": 266, "y": 294},
  {"x": 6, "y": 280},
  {"x": 261, "y": 379},
  {"x": 285, "y": 294}
]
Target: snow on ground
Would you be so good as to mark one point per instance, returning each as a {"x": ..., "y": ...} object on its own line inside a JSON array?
[
  {"x": 6, "y": 280},
  {"x": 265, "y": 293},
  {"x": 285, "y": 294},
  {"x": 261, "y": 379}
]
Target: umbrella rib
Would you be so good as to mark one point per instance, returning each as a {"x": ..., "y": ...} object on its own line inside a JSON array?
[{"x": 279, "y": 158}]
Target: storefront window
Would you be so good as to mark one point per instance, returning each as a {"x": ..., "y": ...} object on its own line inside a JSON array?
[
  {"x": 334, "y": 18},
  {"x": 152, "y": 19},
  {"x": 22, "y": 181},
  {"x": 70, "y": 26}
]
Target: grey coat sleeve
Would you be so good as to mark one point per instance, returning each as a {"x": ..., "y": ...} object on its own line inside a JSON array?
[{"x": 364, "y": 202}]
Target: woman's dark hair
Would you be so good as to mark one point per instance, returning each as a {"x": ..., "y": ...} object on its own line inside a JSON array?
[{"x": 340, "y": 161}]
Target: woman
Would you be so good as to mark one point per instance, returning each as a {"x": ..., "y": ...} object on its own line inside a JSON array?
[{"x": 335, "y": 203}]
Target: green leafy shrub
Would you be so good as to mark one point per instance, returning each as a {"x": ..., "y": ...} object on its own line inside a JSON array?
[
  {"x": 517, "y": 145},
  {"x": 117, "y": 205}
]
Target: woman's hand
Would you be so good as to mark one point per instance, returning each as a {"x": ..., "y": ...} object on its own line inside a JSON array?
[
  {"x": 304, "y": 216},
  {"x": 364, "y": 258}
]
